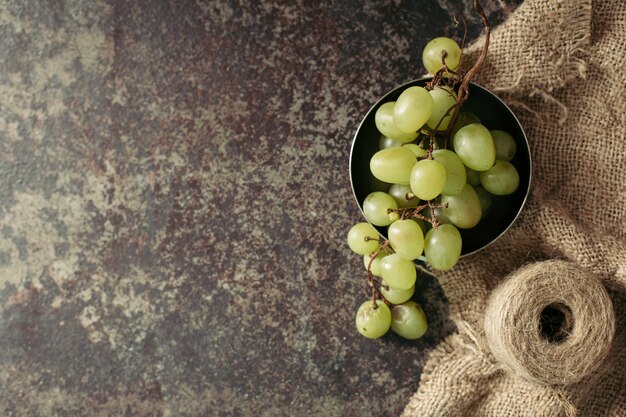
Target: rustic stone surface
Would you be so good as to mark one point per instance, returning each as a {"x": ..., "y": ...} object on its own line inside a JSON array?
[{"x": 174, "y": 200}]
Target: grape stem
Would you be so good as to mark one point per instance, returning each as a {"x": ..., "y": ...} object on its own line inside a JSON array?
[
  {"x": 463, "y": 93},
  {"x": 452, "y": 78},
  {"x": 377, "y": 295},
  {"x": 374, "y": 254},
  {"x": 368, "y": 239},
  {"x": 433, "y": 218},
  {"x": 407, "y": 213},
  {"x": 372, "y": 282}
]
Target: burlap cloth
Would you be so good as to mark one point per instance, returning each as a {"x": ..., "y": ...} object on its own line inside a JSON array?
[{"x": 560, "y": 65}]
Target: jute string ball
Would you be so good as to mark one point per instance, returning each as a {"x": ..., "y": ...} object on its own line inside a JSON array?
[{"x": 550, "y": 322}]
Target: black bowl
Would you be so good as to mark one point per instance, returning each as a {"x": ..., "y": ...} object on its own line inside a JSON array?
[{"x": 494, "y": 114}]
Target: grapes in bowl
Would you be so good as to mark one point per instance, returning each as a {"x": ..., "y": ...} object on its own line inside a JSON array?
[
  {"x": 440, "y": 168},
  {"x": 486, "y": 142}
]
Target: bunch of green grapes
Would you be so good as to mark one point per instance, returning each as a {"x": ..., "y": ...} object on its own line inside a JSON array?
[{"x": 433, "y": 191}]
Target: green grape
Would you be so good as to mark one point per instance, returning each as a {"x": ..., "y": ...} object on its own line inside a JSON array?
[
  {"x": 431, "y": 57},
  {"x": 408, "y": 320},
  {"x": 398, "y": 272},
  {"x": 505, "y": 145},
  {"x": 393, "y": 165},
  {"x": 384, "y": 142},
  {"x": 427, "y": 179},
  {"x": 443, "y": 99},
  {"x": 406, "y": 238},
  {"x": 474, "y": 145},
  {"x": 455, "y": 171},
  {"x": 442, "y": 246},
  {"x": 385, "y": 125},
  {"x": 485, "y": 200},
  {"x": 412, "y": 109},
  {"x": 357, "y": 238},
  {"x": 396, "y": 296},
  {"x": 463, "y": 209},
  {"x": 473, "y": 177},
  {"x": 376, "y": 208},
  {"x": 463, "y": 119},
  {"x": 419, "y": 152},
  {"x": 399, "y": 193},
  {"x": 373, "y": 320},
  {"x": 375, "y": 267},
  {"x": 501, "y": 179}
]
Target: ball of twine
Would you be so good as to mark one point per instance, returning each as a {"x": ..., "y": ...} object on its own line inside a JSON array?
[{"x": 550, "y": 323}]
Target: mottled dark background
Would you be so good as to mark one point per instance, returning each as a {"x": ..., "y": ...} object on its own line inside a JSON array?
[{"x": 174, "y": 200}]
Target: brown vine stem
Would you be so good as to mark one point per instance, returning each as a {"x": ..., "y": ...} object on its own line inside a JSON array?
[
  {"x": 370, "y": 276},
  {"x": 483, "y": 54},
  {"x": 374, "y": 254},
  {"x": 453, "y": 77},
  {"x": 377, "y": 295},
  {"x": 407, "y": 213},
  {"x": 433, "y": 219},
  {"x": 463, "y": 92}
]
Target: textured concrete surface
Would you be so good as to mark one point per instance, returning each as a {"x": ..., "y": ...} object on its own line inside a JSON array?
[{"x": 174, "y": 199}]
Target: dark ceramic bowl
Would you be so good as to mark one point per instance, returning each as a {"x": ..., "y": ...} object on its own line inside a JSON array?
[{"x": 494, "y": 114}]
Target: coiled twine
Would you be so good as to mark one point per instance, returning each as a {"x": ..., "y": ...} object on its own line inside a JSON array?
[{"x": 550, "y": 323}]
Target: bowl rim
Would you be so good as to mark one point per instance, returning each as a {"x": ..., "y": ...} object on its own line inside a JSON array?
[{"x": 410, "y": 83}]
